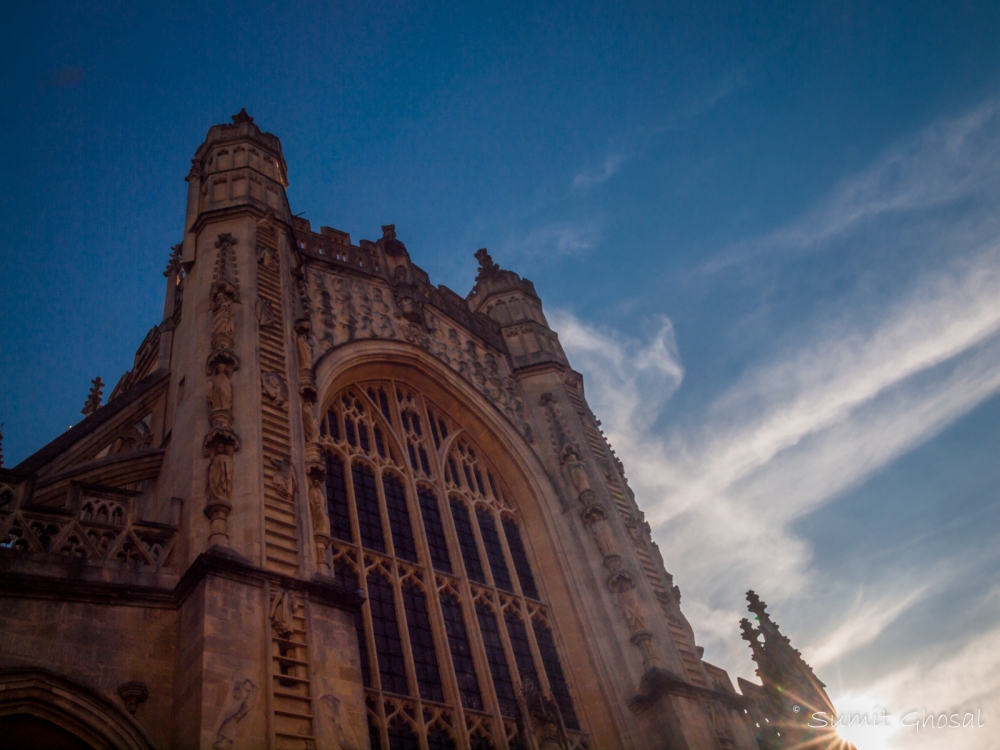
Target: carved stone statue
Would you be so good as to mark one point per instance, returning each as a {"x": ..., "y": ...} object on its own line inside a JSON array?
[
  {"x": 310, "y": 427},
  {"x": 284, "y": 479},
  {"x": 265, "y": 312},
  {"x": 220, "y": 387},
  {"x": 223, "y": 325},
  {"x": 283, "y": 608},
  {"x": 344, "y": 736},
  {"x": 576, "y": 471},
  {"x": 632, "y": 610},
  {"x": 317, "y": 508},
  {"x": 220, "y": 476},
  {"x": 275, "y": 388},
  {"x": 237, "y": 705},
  {"x": 304, "y": 348}
]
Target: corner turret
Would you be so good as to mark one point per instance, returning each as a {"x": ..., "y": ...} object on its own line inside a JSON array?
[{"x": 513, "y": 303}]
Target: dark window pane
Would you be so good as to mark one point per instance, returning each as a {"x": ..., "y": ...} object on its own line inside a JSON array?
[
  {"x": 388, "y": 645},
  {"x": 461, "y": 653},
  {"x": 494, "y": 552},
  {"x": 434, "y": 429},
  {"x": 422, "y": 644},
  {"x": 366, "y": 501},
  {"x": 467, "y": 541},
  {"x": 402, "y": 736},
  {"x": 349, "y": 431},
  {"x": 454, "y": 471},
  {"x": 434, "y": 530},
  {"x": 502, "y": 682},
  {"x": 416, "y": 425},
  {"x": 332, "y": 421},
  {"x": 345, "y": 575},
  {"x": 413, "y": 457},
  {"x": 399, "y": 518},
  {"x": 379, "y": 443},
  {"x": 374, "y": 736},
  {"x": 557, "y": 680},
  {"x": 424, "y": 464},
  {"x": 383, "y": 403},
  {"x": 363, "y": 436},
  {"x": 479, "y": 482},
  {"x": 480, "y": 742},
  {"x": 468, "y": 478},
  {"x": 438, "y": 739},
  {"x": 359, "y": 628},
  {"x": 336, "y": 500},
  {"x": 522, "y": 650},
  {"x": 520, "y": 558},
  {"x": 493, "y": 485}
]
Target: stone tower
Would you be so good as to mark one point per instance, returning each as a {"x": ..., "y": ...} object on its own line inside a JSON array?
[{"x": 335, "y": 506}]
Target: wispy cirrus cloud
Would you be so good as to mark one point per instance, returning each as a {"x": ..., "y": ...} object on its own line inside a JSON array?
[
  {"x": 558, "y": 238},
  {"x": 841, "y": 397},
  {"x": 588, "y": 178}
]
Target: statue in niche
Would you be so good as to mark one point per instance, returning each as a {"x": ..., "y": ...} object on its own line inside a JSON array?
[
  {"x": 220, "y": 387},
  {"x": 275, "y": 389},
  {"x": 344, "y": 736},
  {"x": 603, "y": 536},
  {"x": 238, "y": 704},
  {"x": 310, "y": 426},
  {"x": 283, "y": 608},
  {"x": 317, "y": 508},
  {"x": 283, "y": 478},
  {"x": 304, "y": 348},
  {"x": 576, "y": 470},
  {"x": 632, "y": 610},
  {"x": 267, "y": 257},
  {"x": 634, "y": 528},
  {"x": 265, "y": 313},
  {"x": 220, "y": 475}
]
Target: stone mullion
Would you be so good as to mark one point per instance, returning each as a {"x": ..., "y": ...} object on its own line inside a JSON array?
[
  {"x": 536, "y": 654},
  {"x": 352, "y": 508},
  {"x": 482, "y": 662}
]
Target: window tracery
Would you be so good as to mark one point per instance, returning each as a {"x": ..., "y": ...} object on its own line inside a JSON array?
[{"x": 439, "y": 655}]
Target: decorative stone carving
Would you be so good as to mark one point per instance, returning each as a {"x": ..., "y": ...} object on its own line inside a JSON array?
[
  {"x": 541, "y": 718},
  {"x": 264, "y": 312},
  {"x": 283, "y": 607},
  {"x": 238, "y": 704},
  {"x": 597, "y": 521},
  {"x": 576, "y": 471},
  {"x": 94, "y": 399},
  {"x": 132, "y": 694},
  {"x": 275, "y": 388},
  {"x": 283, "y": 479},
  {"x": 344, "y": 736},
  {"x": 221, "y": 442},
  {"x": 267, "y": 257},
  {"x": 345, "y": 310},
  {"x": 632, "y": 610}
]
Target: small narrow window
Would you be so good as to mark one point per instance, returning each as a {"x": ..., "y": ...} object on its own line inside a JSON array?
[
  {"x": 468, "y": 478},
  {"x": 434, "y": 530},
  {"x": 385, "y": 626},
  {"x": 336, "y": 500},
  {"x": 467, "y": 541},
  {"x": 493, "y": 484},
  {"x": 416, "y": 426},
  {"x": 349, "y": 431},
  {"x": 379, "y": 442},
  {"x": 399, "y": 518},
  {"x": 363, "y": 437},
  {"x": 454, "y": 471},
  {"x": 424, "y": 463},
  {"x": 366, "y": 501},
  {"x": 520, "y": 557},
  {"x": 413, "y": 456},
  {"x": 479, "y": 482},
  {"x": 461, "y": 653},
  {"x": 557, "y": 680},
  {"x": 497, "y": 659},
  {"x": 425, "y": 660},
  {"x": 333, "y": 421},
  {"x": 494, "y": 552}
]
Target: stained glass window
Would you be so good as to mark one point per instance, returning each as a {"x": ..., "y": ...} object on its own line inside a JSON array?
[
  {"x": 366, "y": 501},
  {"x": 502, "y": 683},
  {"x": 554, "y": 671},
  {"x": 434, "y": 530},
  {"x": 520, "y": 557},
  {"x": 467, "y": 541},
  {"x": 494, "y": 552},
  {"x": 399, "y": 518},
  {"x": 461, "y": 653},
  {"x": 388, "y": 644},
  {"x": 422, "y": 643},
  {"x": 336, "y": 499}
]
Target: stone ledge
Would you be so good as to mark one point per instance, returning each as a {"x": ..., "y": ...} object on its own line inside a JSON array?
[{"x": 658, "y": 682}]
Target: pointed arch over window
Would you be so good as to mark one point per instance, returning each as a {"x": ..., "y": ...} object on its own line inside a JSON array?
[{"x": 430, "y": 621}]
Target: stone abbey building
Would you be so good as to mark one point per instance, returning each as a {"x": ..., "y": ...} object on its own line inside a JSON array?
[{"x": 335, "y": 506}]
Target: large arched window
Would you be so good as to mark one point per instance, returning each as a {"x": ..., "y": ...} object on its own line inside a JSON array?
[{"x": 455, "y": 620}]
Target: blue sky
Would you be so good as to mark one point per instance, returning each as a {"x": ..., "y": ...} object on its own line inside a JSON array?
[{"x": 769, "y": 235}]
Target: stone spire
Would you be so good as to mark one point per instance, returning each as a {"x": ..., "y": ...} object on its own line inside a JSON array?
[
  {"x": 94, "y": 399},
  {"x": 790, "y": 693}
]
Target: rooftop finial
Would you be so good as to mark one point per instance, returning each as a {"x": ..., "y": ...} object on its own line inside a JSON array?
[
  {"x": 487, "y": 268},
  {"x": 174, "y": 264},
  {"x": 242, "y": 116},
  {"x": 94, "y": 399}
]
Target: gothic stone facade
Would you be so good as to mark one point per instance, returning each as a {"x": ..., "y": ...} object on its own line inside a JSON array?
[{"x": 334, "y": 506}]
